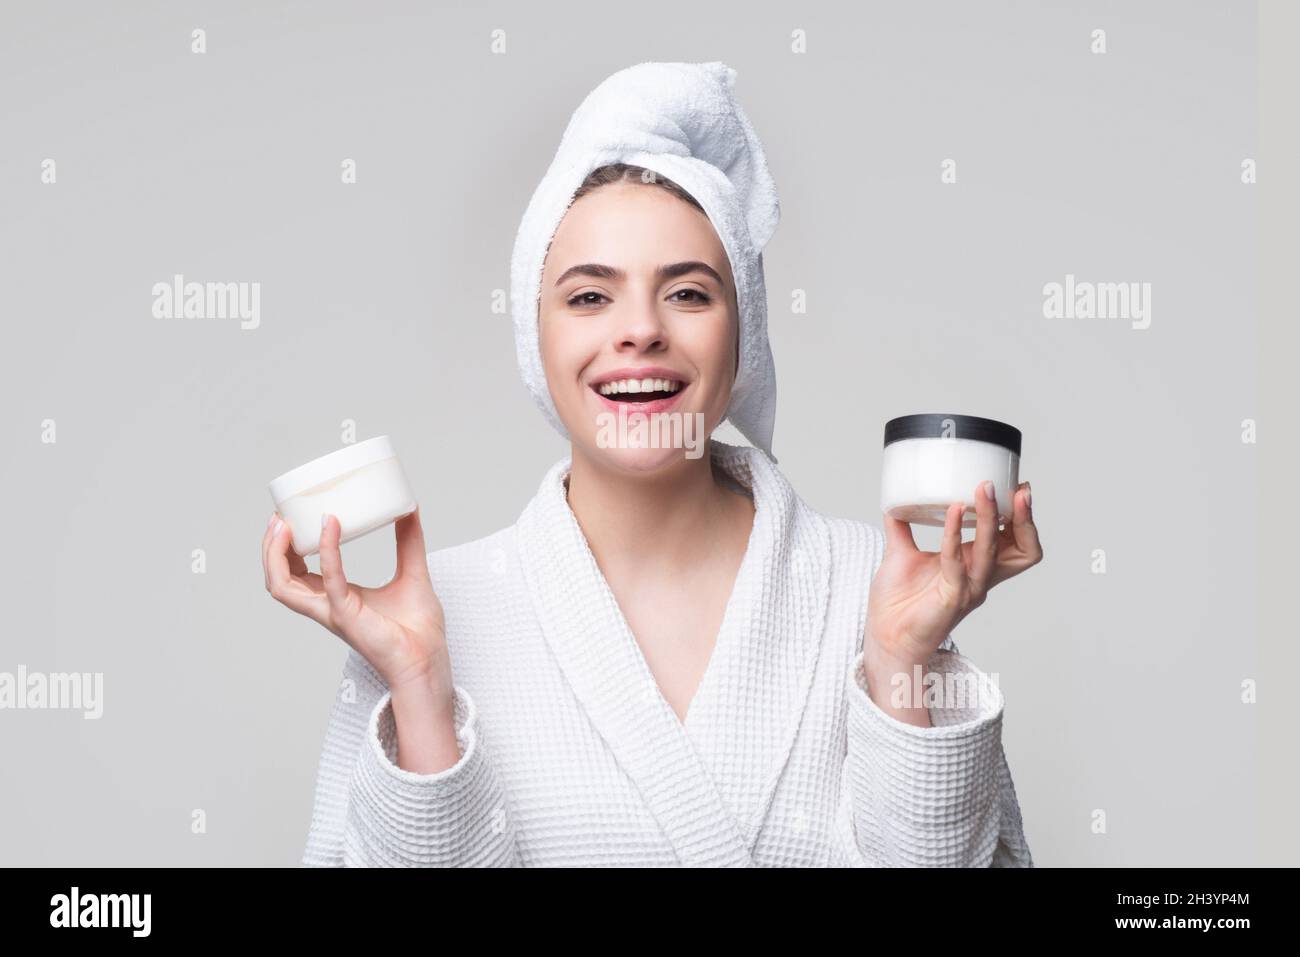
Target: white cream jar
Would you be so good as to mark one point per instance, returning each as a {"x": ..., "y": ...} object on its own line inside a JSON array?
[
  {"x": 363, "y": 485},
  {"x": 933, "y": 460}
]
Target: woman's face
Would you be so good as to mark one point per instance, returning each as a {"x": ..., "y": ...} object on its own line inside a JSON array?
[{"x": 637, "y": 293}]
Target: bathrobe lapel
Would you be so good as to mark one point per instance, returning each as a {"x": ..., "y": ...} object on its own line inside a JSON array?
[
  {"x": 749, "y": 707},
  {"x": 709, "y": 782}
]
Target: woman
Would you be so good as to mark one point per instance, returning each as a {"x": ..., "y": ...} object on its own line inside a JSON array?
[{"x": 668, "y": 659}]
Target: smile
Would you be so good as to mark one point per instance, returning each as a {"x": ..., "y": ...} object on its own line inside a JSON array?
[
  {"x": 646, "y": 389},
  {"x": 638, "y": 390}
]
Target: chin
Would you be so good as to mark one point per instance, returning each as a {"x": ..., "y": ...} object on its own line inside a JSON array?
[
  {"x": 642, "y": 461},
  {"x": 631, "y": 440}
]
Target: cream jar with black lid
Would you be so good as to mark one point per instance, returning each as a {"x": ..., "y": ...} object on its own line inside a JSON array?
[{"x": 934, "y": 459}]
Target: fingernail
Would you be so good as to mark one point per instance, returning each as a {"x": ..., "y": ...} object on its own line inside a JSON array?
[
  {"x": 1029, "y": 494},
  {"x": 988, "y": 492},
  {"x": 324, "y": 519},
  {"x": 276, "y": 525},
  {"x": 270, "y": 521}
]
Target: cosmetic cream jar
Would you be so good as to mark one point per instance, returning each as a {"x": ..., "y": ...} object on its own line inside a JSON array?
[
  {"x": 933, "y": 460},
  {"x": 362, "y": 485}
]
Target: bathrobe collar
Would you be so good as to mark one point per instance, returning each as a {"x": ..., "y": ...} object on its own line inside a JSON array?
[{"x": 708, "y": 782}]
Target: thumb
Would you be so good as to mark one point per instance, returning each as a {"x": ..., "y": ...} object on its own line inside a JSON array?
[
  {"x": 898, "y": 535},
  {"x": 412, "y": 559}
]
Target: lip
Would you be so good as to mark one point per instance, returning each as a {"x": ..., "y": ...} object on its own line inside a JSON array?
[{"x": 639, "y": 372}]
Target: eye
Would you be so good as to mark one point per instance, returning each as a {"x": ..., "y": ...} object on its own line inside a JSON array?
[
  {"x": 581, "y": 299},
  {"x": 698, "y": 296}
]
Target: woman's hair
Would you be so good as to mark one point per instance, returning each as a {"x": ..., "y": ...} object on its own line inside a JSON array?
[{"x": 626, "y": 173}]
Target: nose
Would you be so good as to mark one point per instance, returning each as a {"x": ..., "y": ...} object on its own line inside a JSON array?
[{"x": 641, "y": 329}]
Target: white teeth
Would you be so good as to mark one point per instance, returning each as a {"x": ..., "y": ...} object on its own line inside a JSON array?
[{"x": 639, "y": 385}]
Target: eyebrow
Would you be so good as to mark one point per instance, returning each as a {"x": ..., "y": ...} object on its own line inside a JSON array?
[{"x": 670, "y": 271}]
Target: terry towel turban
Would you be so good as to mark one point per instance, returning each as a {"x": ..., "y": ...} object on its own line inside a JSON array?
[{"x": 681, "y": 121}]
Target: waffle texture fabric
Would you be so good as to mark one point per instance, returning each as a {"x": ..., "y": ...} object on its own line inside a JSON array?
[{"x": 571, "y": 757}]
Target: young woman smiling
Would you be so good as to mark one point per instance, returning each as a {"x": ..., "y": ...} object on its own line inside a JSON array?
[{"x": 667, "y": 659}]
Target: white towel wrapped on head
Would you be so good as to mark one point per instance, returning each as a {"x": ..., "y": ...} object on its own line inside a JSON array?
[{"x": 681, "y": 121}]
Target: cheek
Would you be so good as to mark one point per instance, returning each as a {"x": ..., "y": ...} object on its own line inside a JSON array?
[
  {"x": 565, "y": 354},
  {"x": 713, "y": 341},
  {"x": 715, "y": 351},
  {"x": 555, "y": 348},
  {"x": 551, "y": 348},
  {"x": 726, "y": 346}
]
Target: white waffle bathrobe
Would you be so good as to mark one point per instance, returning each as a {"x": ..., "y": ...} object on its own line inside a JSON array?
[{"x": 571, "y": 757}]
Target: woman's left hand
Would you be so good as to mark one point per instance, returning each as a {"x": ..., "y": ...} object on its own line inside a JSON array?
[{"x": 918, "y": 597}]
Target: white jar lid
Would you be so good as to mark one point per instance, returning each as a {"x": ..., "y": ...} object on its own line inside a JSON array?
[
  {"x": 940, "y": 425},
  {"x": 331, "y": 466}
]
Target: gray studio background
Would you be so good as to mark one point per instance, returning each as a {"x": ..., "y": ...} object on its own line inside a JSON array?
[{"x": 1123, "y": 689}]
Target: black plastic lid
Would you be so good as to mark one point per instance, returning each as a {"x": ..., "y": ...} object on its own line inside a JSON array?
[{"x": 937, "y": 425}]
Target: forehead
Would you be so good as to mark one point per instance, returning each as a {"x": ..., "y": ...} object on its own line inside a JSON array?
[{"x": 627, "y": 224}]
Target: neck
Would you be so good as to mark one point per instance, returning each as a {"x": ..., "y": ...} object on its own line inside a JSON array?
[{"x": 670, "y": 515}]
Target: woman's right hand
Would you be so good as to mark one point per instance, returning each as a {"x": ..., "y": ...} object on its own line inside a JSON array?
[{"x": 398, "y": 628}]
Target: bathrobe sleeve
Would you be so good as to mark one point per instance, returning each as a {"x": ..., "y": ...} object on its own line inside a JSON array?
[
  {"x": 933, "y": 797},
  {"x": 368, "y": 812}
]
